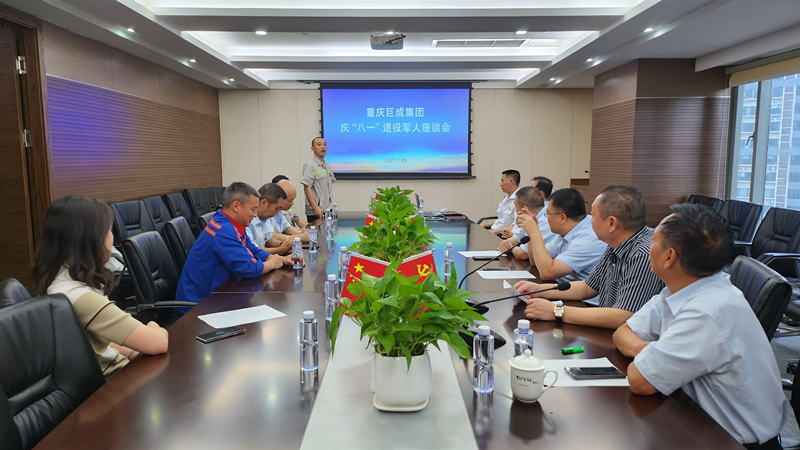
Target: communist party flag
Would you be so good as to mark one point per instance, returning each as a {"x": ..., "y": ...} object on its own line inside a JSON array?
[
  {"x": 370, "y": 219},
  {"x": 421, "y": 264}
]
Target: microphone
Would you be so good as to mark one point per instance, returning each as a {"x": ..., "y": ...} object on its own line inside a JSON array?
[
  {"x": 561, "y": 286},
  {"x": 522, "y": 241}
]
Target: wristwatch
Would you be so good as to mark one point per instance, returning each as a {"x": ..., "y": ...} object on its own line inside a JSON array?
[{"x": 559, "y": 312}]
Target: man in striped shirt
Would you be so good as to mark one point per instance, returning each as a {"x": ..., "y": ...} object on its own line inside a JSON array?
[{"x": 622, "y": 278}]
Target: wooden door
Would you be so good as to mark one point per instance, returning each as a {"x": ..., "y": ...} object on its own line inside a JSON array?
[{"x": 16, "y": 238}]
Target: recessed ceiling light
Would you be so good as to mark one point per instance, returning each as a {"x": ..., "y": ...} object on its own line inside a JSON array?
[
  {"x": 231, "y": 79},
  {"x": 552, "y": 79},
  {"x": 648, "y": 30},
  {"x": 390, "y": 33},
  {"x": 192, "y": 60},
  {"x": 522, "y": 32},
  {"x": 261, "y": 32},
  {"x": 589, "y": 60},
  {"x": 131, "y": 30}
]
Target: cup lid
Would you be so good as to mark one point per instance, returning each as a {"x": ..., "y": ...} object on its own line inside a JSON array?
[{"x": 526, "y": 361}]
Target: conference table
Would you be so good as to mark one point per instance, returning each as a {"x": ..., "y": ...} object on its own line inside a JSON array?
[{"x": 247, "y": 392}]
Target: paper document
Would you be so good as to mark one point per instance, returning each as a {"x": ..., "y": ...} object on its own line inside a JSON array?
[
  {"x": 564, "y": 380},
  {"x": 512, "y": 290},
  {"x": 241, "y": 316},
  {"x": 483, "y": 254},
  {"x": 505, "y": 274}
]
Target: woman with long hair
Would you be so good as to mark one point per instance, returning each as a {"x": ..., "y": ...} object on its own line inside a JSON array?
[{"x": 76, "y": 243}]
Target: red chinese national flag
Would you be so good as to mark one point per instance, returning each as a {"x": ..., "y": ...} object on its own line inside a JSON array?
[
  {"x": 420, "y": 265},
  {"x": 359, "y": 265}
]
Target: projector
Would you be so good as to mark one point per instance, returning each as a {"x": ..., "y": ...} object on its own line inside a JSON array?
[{"x": 387, "y": 41}]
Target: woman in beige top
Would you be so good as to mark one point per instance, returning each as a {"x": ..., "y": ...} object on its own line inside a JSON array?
[{"x": 76, "y": 243}]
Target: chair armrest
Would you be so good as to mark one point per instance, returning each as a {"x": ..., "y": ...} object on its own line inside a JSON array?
[
  {"x": 767, "y": 258},
  {"x": 742, "y": 244},
  {"x": 159, "y": 305},
  {"x": 485, "y": 218}
]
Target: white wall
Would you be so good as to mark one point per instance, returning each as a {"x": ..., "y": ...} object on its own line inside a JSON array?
[{"x": 538, "y": 132}]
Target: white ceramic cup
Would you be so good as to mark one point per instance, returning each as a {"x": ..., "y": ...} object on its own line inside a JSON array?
[{"x": 527, "y": 377}]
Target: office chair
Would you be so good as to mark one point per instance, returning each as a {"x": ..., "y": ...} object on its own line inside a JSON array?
[
  {"x": 196, "y": 199},
  {"x": 202, "y": 221},
  {"x": 765, "y": 289},
  {"x": 180, "y": 240},
  {"x": 54, "y": 369},
  {"x": 712, "y": 202},
  {"x": 177, "y": 206},
  {"x": 213, "y": 198},
  {"x": 130, "y": 218},
  {"x": 742, "y": 219},
  {"x": 155, "y": 277},
  {"x": 158, "y": 211},
  {"x": 12, "y": 292}
]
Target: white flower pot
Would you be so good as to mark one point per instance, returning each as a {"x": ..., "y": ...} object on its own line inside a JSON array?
[{"x": 398, "y": 385}]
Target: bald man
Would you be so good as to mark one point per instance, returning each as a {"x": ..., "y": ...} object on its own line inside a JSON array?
[{"x": 282, "y": 228}]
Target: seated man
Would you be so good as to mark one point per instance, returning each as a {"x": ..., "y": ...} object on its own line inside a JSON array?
[
  {"x": 506, "y": 213},
  {"x": 575, "y": 250},
  {"x": 545, "y": 186},
  {"x": 701, "y": 335},
  {"x": 223, "y": 249},
  {"x": 260, "y": 230},
  {"x": 291, "y": 213},
  {"x": 622, "y": 277},
  {"x": 282, "y": 228},
  {"x": 528, "y": 201}
]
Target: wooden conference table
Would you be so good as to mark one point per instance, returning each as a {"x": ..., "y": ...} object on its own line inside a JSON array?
[{"x": 247, "y": 392}]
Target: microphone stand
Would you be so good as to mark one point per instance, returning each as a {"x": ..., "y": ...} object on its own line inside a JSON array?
[
  {"x": 505, "y": 253},
  {"x": 554, "y": 288}
]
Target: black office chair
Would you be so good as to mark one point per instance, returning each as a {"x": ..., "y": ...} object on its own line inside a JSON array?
[
  {"x": 712, "y": 202},
  {"x": 742, "y": 219},
  {"x": 485, "y": 218},
  {"x": 196, "y": 199},
  {"x": 180, "y": 240},
  {"x": 130, "y": 218},
  {"x": 49, "y": 369},
  {"x": 220, "y": 191},
  {"x": 12, "y": 292},
  {"x": 765, "y": 289},
  {"x": 202, "y": 221},
  {"x": 177, "y": 206},
  {"x": 158, "y": 211},
  {"x": 155, "y": 277},
  {"x": 213, "y": 198}
]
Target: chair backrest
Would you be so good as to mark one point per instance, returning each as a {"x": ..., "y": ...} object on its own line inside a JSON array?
[
  {"x": 158, "y": 211},
  {"x": 130, "y": 218},
  {"x": 11, "y": 292},
  {"x": 712, "y": 202},
  {"x": 196, "y": 199},
  {"x": 742, "y": 218},
  {"x": 220, "y": 191},
  {"x": 213, "y": 198},
  {"x": 180, "y": 240},
  {"x": 154, "y": 273},
  {"x": 177, "y": 206},
  {"x": 779, "y": 232},
  {"x": 202, "y": 221},
  {"x": 47, "y": 373},
  {"x": 765, "y": 289}
]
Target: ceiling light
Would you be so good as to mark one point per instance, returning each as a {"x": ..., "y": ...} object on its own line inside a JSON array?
[
  {"x": 131, "y": 30},
  {"x": 648, "y": 30},
  {"x": 192, "y": 60},
  {"x": 589, "y": 60},
  {"x": 552, "y": 79},
  {"x": 522, "y": 32},
  {"x": 261, "y": 32},
  {"x": 390, "y": 33},
  {"x": 231, "y": 79}
]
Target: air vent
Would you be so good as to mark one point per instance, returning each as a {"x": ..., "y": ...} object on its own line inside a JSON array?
[{"x": 479, "y": 43}]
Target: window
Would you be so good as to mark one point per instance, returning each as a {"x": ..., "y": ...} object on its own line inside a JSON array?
[
  {"x": 793, "y": 177},
  {"x": 772, "y": 160},
  {"x": 744, "y": 176},
  {"x": 743, "y": 193},
  {"x": 771, "y": 176},
  {"x": 775, "y": 110},
  {"x": 750, "y": 127},
  {"x": 769, "y": 193},
  {"x": 794, "y": 193},
  {"x": 795, "y": 142},
  {"x": 777, "y": 92},
  {"x": 774, "y": 126},
  {"x": 795, "y": 160},
  {"x": 751, "y": 110},
  {"x": 797, "y": 108},
  {"x": 750, "y": 91},
  {"x": 797, "y": 125}
]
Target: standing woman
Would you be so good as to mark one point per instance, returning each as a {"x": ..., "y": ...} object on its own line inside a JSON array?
[{"x": 76, "y": 243}]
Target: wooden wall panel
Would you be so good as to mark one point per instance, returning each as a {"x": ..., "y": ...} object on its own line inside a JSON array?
[
  {"x": 677, "y": 78},
  {"x": 116, "y": 146},
  {"x": 612, "y": 146},
  {"x": 616, "y": 85},
  {"x": 678, "y": 149}
]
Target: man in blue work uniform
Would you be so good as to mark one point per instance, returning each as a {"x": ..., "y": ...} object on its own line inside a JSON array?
[{"x": 223, "y": 249}]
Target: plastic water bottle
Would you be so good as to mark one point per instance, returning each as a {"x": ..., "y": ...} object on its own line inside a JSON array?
[
  {"x": 449, "y": 258},
  {"x": 421, "y": 208},
  {"x": 483, "y": 356},
  {"x": 329, "y": 224},
  {"x": 431, "y": 246},
  {"x": 344, "y": 261},
  {"x": 308, "y": 342},
  {"x": 335, "y": 212},
  {"x": 523, "y": 337},
  {"x": 312, "y": 239},
  {"x": 297, "y": 253},
  {"x": 331, "y": 296}
]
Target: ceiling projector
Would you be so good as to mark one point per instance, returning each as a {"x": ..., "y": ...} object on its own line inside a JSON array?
[{"x": 387, "y": 41}]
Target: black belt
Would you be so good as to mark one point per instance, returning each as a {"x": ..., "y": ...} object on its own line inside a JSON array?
[{"x": 772, "y": 444}]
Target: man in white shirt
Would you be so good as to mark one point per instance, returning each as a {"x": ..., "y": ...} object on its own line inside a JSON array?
[
  {"x": 506, "y": 212},
  {"x": 282, "y": 228},
  {"x": 701, "y": 335},
  {"x": 271, "y": 201},
  {"x": 291, "y": 213},
  {"x": 528, "y": 201}
]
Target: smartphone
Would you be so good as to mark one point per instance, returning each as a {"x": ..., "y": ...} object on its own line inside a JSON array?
[
  {"x": 594, "y": 373},
  {"x": 222, "y": 333},
  {"x": 482, "y": 258}
]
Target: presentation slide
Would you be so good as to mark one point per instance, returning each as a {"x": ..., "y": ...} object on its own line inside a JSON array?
[{"x": 377, "y": 132}]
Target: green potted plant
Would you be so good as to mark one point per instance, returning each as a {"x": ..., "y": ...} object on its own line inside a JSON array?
[{"x": 402, "y": 318}]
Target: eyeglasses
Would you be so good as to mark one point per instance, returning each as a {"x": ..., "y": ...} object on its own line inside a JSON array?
[{"x": 552, "y": 214}]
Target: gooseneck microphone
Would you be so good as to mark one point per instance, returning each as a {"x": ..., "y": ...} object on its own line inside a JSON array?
[
  {"x": 522, "y": 241},
  {"x": 561, "y": 286}
]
